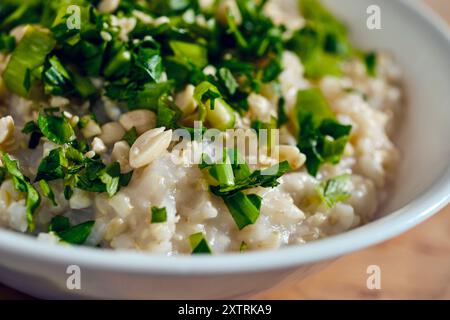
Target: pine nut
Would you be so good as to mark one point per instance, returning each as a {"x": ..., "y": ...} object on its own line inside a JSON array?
[
  {"x": 121, "y": 154},
  {"x": 98, "y": 146},
  {"x": 108, "y": 6},
  {"x": 111, "y": 133},
  {"x": 292, "y": 155},
  {"x": 149, "y": 146},
  {"x": 6, "y": 129},
  {"x": 142, "y": 120},
  {"x": 185, "y": 100}
]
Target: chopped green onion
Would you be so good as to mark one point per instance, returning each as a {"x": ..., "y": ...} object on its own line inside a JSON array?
[
  {"x": 71, "y": 234},
  {"x": 159, "y": 215},
  {"x": 29, "y": 54},
  {"x": 47, "y": 191},
  {"x": 199, "y": 244},
  {"x": 191, "y": 52},
  {"x": 243, "y": 208}
]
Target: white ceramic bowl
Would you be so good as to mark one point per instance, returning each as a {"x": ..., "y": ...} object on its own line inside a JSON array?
[{"x": 421, "y": 44}]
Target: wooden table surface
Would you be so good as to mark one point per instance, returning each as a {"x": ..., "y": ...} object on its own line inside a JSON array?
[{"x": 415, "y": 265}]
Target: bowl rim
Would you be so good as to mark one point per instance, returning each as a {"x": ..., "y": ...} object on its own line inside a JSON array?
[{"x": 416, "y": 211}]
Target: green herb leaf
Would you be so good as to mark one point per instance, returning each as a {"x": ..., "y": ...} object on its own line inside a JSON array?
[
  {"x": 266, "y": 178},
  {"x": 130, "y": 136},
  {"x": 190, "y": 52},
  {"x": 243, "y": 208},
  {"x": 22, "y": 184},
  {"x": 111, "y": 177},
  {"x": 59, "y": 223},
  {"x": 52, "y": 166},
  {"x": 71, "y": 234},
  {"x": 335, "y": 190},
  {"x": 199, "y": 244},
  {"x": 56, "y": 129},
  {"x": 29, "y": 54},
  {"x": 243, "y": 247},
  {"x": 47, "y": 191},
  {"x": 7, "y": 43},
  {"x": 158, "y": 215},
  {"x": 228, "y": 80},
  {"x": 370, "y": 60}
]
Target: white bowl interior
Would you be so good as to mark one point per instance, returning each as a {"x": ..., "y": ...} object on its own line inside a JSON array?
[{"x": 424, "y": 123}]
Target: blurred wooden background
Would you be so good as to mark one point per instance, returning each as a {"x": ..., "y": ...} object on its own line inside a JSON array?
[{"x": 415, "y": 265}]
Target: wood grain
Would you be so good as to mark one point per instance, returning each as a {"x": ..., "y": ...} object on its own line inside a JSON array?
[{"x": 415, "y": 265}]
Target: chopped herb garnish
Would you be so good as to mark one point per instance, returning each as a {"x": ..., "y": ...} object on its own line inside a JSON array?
[
  {"x": 29, "y": 55},
  {"x": 7, "y": 43},
  {"x": 47, "y": 191},
  {"x": 370, "y": 60},
  {"x": 55, "y": 128},
  {"x": 130, "y": 136},
  {"x": 77, "y": 234},
  {"x": 234, "y": 176},
  {"x": 22, "y": 184},
  {"x": 199, "y": 244},
  {"x": 158, "y": 215},
  {"x": 335, "y": 190},
  {"x": 321, "y": 138},
  {"x": 243, "y": 208}
]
